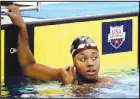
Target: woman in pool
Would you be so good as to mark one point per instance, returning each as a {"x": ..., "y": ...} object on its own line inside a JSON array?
[{"x": 84, "y": 51}]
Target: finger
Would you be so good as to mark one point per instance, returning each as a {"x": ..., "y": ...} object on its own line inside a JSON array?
[
  {"x": 12, "y": 8},
  {"x": 67, "y": 68},
  {"x": 10, "y": 14},
  {"x": 9, "y": 7},
  {"x": 9, "y": 10},
  {"x": 70, "y": 69},
  {"x": 74, "y": 71}
]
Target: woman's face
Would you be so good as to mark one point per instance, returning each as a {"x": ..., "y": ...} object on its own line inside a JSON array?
[{"x": 87, "y": 63}]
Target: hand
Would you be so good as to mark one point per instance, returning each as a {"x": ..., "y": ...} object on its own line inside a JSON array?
[
  {"x": 15, "y": 16},
  {"x": 68, "y": 74}
]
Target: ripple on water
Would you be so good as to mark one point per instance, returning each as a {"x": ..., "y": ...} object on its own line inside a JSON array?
[{"x": 124, "y": 86}]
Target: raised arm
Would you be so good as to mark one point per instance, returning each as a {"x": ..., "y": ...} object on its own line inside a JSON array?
[{"x": 25, "y": 57}]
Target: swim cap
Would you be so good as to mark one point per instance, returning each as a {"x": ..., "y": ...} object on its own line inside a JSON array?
[{"x": 82, "y": 43}]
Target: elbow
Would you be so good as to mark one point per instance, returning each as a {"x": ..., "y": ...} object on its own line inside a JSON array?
[
  {"x": 29, "y": 71},
  {"x": 32, "y": 71},
  {"x": 26, "y": 67},
  {"x": 26, "y": 63}
]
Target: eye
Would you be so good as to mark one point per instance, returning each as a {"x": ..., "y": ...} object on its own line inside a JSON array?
[
  {"x": 82, "y": 59},
  {"x": 94, "y": 58}
]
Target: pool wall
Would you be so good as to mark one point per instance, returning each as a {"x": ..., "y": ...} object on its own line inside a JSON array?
[{"x": 50, "y": 42}]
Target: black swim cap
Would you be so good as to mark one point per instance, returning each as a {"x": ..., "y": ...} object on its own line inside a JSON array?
[{"x": 82, "y": 43}]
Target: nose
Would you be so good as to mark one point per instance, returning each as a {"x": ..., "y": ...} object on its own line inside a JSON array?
[{"x": 90, "y": 63}]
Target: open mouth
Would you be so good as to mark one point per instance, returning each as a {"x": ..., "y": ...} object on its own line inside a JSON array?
[{"x": 91, "y": 72}]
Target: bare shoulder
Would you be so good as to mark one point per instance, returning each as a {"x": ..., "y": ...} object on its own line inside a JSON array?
[{"x": 106, "y": 80}]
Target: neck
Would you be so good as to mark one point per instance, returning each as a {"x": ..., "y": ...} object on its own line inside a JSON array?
[{"x": 81, "y": 80}]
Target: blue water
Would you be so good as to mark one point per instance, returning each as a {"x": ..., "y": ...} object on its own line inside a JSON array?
[
  {"x": 125, "y": 85},
  {"x": 71, "y": 9}
]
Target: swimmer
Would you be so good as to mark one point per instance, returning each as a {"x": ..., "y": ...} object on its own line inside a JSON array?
[{"x": 86, "y": 59}]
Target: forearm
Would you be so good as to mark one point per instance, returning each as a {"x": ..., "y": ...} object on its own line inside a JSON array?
[
  {"x": 42, "y": 72},
  {"x": 24, "y": 54},
  {"x": 29, "y": 66}
]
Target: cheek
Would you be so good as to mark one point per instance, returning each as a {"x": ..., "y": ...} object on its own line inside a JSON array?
[
  {"x": 80, "y": 67},
  {"x": 98, "y": 61},
  {"x": 98, "y": 64}
]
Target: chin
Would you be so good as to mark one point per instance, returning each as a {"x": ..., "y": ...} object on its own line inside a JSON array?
[{"x": 90, "y": 78}]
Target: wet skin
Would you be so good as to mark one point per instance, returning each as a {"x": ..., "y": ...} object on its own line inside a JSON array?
[{"x": 87, "y": 64}]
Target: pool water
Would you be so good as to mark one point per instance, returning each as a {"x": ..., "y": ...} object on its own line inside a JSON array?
[
  {"x": 74, "y": 9},
  {"x": 125, "y": 85}
]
